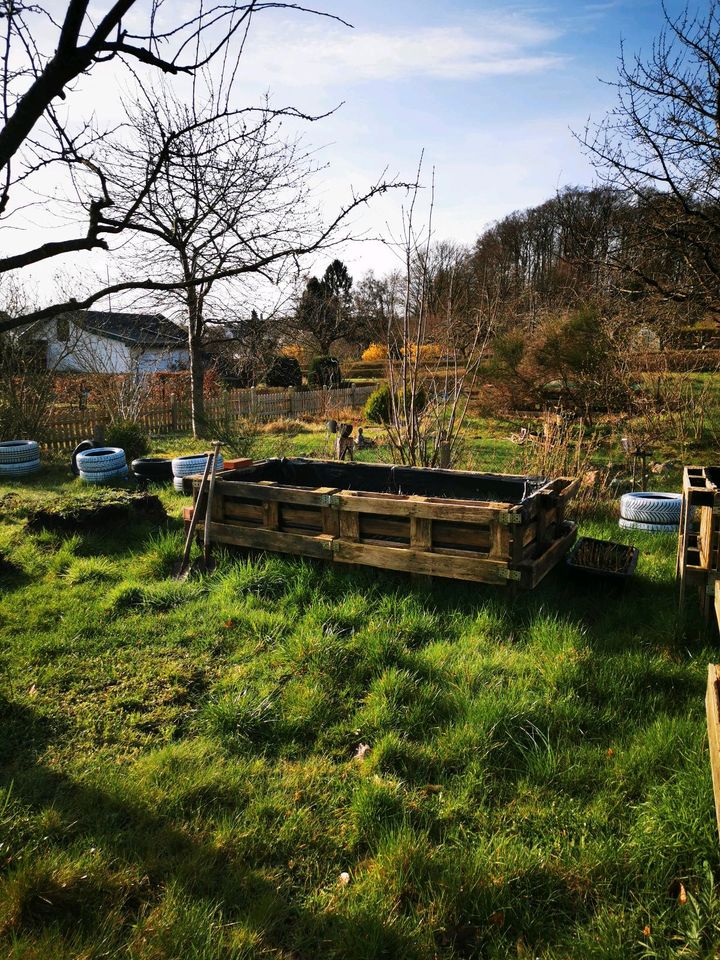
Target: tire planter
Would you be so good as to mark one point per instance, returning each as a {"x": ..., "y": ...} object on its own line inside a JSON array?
[
  {"x": 648, "y": 527},
  {"x": 153, "y": 469},
  {"x": 80, "y": 448},
  {"x": 187, "y": 466},
  {"x": 655, "y": 509},
  {"x": 105, "y": 476},
  {"x": 178, "y": 484},
  {"x": 19, "y": 469},
  {"x": 101, "y": 460},
  {"x": 19, "y": 451}
]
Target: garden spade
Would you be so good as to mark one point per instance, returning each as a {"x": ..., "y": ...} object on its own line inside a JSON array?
[
  {"x": 182, "y": 567},
  {"x": 206, "y": 564}
]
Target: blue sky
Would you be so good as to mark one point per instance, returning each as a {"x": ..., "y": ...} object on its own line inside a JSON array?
[{"x": 490, "y": 91}]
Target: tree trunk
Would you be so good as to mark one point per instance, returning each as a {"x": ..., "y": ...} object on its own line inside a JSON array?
[{"x": 197, "y": 366}]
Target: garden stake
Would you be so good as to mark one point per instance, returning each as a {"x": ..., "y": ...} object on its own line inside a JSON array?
[
  {"x": 181, "y": 569},
  {"x": 207, "y": 564}
]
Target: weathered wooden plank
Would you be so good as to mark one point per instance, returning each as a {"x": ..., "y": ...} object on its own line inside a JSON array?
[
  {"x": 255, "y": 491},
  {"x": 418, "y": 561},
  {"x": 380, "y": 528},
  {"x": 243, "y": 512},
  {"x": 259, "y": 538},
  {"x": 271, "y": 514},
  {"x": 453, "y": 534},
  {"x": 349, "y": 525},
  {"x": 421, "y": 533},
  {"x": 292, "y": 516},
  {"x": 712, "y": 710},
  {"x": 429, "y": 508},
  {"x": 533, "y": 573}
]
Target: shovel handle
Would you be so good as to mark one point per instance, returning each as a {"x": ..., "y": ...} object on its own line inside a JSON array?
[
  {"x": 195, "y": 514},
  {"x": 206, "y": 528}
]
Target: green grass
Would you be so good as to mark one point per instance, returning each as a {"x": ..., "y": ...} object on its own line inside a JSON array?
[{"x": 179, "y": 779}]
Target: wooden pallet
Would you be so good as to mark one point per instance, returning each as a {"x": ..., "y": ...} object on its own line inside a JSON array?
[
  {"x": 698, "y": 554},
  {"x": 712, "y": 709},
  {"x": 481, "y": 541}
]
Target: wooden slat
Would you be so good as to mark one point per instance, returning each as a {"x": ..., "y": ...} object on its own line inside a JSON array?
[
  {"x": 349, "y": 526},
  {"x": 245, "y": 512},
  {"x": 280, "y": 542},
  {"x": 533, "y": 573},
  {"x": 380, "y": 528},
  {"x": 418, "y": 561},
  {"x": 300, "y": 517},
  {"x": 421, "y": 533},
  {"x": 712, "y": 709},
  {"x": 254, "y": 491},
  {"x": 427, "y": 507},
  {"x": 452, "y": 535}
]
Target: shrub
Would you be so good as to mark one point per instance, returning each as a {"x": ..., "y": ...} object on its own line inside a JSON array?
[
  {"x": 377, "y": 407},
  {"x": 284, "y": 372},
  {"x": 324, "y": 372},
  {"x": 375, "y": 352},
  {"x": 131, "y": 436}
]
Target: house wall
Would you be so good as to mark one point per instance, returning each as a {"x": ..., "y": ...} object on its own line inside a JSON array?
[
  {"x": 86, "y": 353},
  {"x": 159, "y": 360}
]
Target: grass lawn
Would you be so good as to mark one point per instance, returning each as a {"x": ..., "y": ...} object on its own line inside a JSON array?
[{"x": 296, "y": 761}]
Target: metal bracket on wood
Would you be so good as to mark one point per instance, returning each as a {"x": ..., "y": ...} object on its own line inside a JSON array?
[
  {"x": 509, "y": 518},
  {"x": 507, "y": 574},
  {"x": 331, "y": 500}
]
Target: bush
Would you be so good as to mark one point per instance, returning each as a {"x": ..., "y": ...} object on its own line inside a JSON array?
[
  {"x": 284, "y": 372},
  {"x": 131, "y": 436},
  {"x": 375, "y": 352},
  {"x": 324, "y": 372},
  {"x": 377, "y": 406}
]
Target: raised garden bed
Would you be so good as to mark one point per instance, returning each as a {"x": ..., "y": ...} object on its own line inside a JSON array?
[{"x": 489, "y": 528}]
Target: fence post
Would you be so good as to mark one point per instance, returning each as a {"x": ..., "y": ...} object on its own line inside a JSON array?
[
  {"x": 253, "y": 402},
  {"x": 174, "y": 412},
  {"x": 291, "y": 401},
  {"x": 444, "y": 455},
  {"x": 353, "y": 401}
]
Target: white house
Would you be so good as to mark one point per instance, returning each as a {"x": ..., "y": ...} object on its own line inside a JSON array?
[{"x": 99, "y": 341}]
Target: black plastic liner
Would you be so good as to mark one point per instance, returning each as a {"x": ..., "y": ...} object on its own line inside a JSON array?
[{"x": 381, "y": 478}]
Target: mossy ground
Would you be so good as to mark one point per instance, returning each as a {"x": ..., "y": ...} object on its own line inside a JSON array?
[{"x": 179, "y": 779}]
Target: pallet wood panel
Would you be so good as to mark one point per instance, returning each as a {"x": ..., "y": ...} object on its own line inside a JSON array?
[
  {"x": 712, "y": 710},
  {"x": 698, "y": 553}
]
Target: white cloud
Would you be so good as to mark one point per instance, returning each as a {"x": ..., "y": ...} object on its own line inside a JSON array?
[{"x": 494, "y": 45}]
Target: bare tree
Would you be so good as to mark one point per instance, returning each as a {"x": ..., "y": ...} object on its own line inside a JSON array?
[
  {"x": 429, "y": 391},
  {"x": 41, "y": 130},
  {"x": 660, "y": 148}
]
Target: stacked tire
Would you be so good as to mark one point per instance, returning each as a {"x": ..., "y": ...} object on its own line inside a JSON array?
[
  {"x": 19, "y": 458},
  {"x": 651, "y": 512},
  {"x": 152, "y": 469},
  {"x": 102, "y": 465},
  {"x": 187, "y": 466}
]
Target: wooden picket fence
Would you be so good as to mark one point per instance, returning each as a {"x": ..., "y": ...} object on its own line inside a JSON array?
[{"x": 65, "y": 431}]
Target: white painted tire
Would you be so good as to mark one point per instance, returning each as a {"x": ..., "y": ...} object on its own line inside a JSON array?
[
  {"x": 101, "y": 460},
  {"x": 19, "y": 469},
  {"x": 104, "y": 476},
  {"x": 19, "y": 451},
  {"x": 178, "y": 484},
  {"x": 652, "y": 508},
  {"x": 648, "y": 527},
  {"x": 187, "y": 466}
]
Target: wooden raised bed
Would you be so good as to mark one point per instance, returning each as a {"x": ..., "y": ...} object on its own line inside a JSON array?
[{"x": 446, "y": 523}]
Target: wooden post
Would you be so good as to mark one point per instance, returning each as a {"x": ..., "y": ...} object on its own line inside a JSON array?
[
  {"x": 444, "y": 455},
  {"x": 253, "y": 401},
  {"x": 712, "y": 708},
  {"x": 99, "y": 434},
  {"x": 291, "y": 401},
  {"x": 353, "y": 398},
  {"x": 174, "y": 413}
]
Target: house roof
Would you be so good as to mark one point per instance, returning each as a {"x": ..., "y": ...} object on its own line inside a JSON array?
[{"x": 136, "y": 329}]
